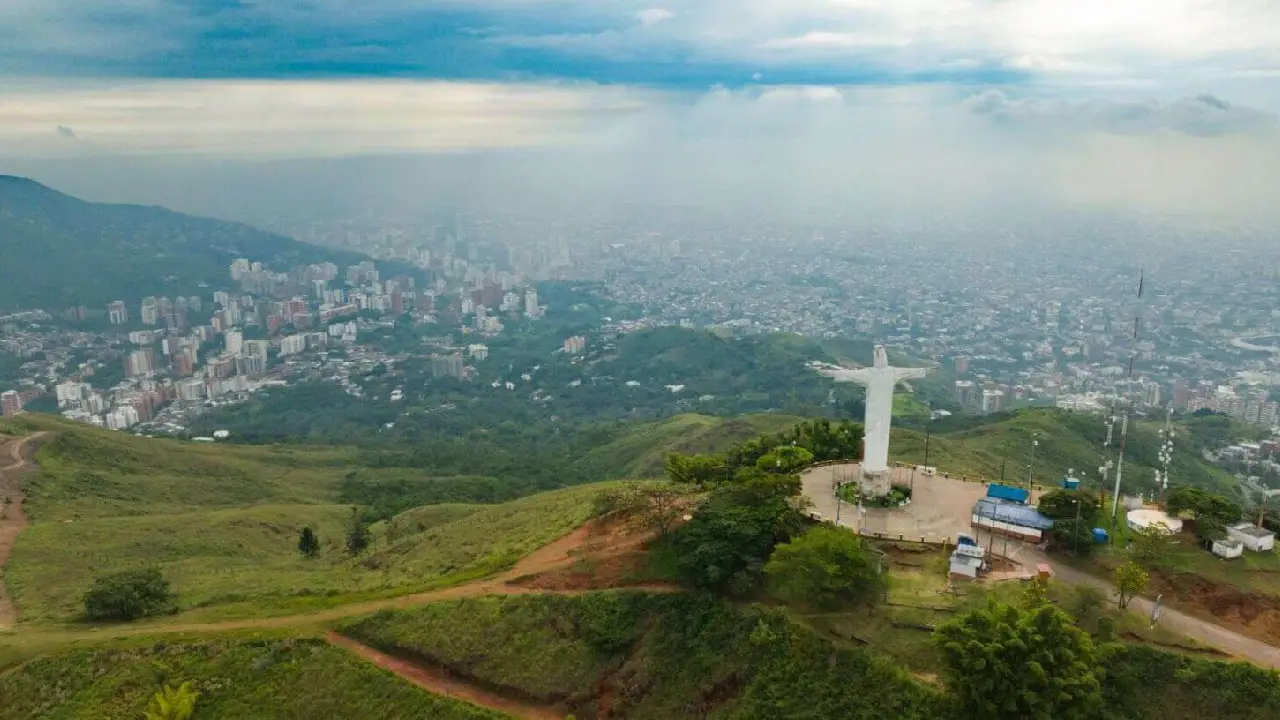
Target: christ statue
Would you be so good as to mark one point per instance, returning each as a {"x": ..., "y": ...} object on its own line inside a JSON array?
[{"x": 879, "y": 379}]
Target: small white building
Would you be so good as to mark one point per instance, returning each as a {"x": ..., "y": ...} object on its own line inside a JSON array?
[
  {"x": 968, "y": 559},
  {"x": 1252, "y": 537},
  {"x": 1227, "y": 549},
  {"x": 1144, "y": 518}
]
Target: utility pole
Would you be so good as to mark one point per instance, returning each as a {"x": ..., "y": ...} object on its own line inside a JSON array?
[
  {"x": 1031, "y": 469},
  {"x": 928, "y": 430},
  {"x": 1075, "y": 536},
  {"x": 1124, "y": 436}
]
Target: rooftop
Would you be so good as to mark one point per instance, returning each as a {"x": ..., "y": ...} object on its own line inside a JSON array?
[{"x": 1252, "y": 530}]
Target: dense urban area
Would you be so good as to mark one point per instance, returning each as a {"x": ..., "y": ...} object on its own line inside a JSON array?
[{"x": 1058, "y": 325}]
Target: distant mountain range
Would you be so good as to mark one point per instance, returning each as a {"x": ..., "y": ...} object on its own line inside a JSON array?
[{"x": 57, "y": 251}]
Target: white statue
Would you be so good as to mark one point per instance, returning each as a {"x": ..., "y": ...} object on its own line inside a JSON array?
[{"x": 880, "y": 379}]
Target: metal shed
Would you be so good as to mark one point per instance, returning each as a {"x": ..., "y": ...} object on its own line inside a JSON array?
[{"x": 1011, "y": 519}]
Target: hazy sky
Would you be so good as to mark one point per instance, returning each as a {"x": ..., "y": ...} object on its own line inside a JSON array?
[{"x": 1151, "y": 105}]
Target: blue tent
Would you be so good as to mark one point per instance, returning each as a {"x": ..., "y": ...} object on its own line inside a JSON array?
[{"x": 1007, "y": 493}]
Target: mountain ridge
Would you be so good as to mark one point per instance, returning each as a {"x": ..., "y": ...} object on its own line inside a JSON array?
[{"x": 62, "y": 251}]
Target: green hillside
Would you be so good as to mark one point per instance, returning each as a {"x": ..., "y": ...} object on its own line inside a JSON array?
[
  {"x": 222, "y": 523},
  {"x": 60, "y": 251},
  {"x": 640, "y": 449},
  {"x": 247, "y": 679},
  {"x": 1067, "y": 440},
  {"x": 650, "y": 656}
]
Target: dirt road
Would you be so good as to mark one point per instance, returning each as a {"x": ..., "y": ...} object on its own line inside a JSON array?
[
  {"x": 441, "y": 683},
  {"x": 1202, "y": 631},
  {"x": 16, "y": 452}
]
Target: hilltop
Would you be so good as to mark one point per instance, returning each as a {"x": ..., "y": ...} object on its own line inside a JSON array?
[
  {"x": 61, "y": 251},
  {"x": 494, "y": 603}
]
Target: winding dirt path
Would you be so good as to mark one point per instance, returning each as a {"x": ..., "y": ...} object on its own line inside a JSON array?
[
  {"x": 12, "y": 518},
  {"x": 441, "y": 683}
]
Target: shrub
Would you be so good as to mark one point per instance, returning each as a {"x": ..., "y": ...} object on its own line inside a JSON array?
[{"x": 129, "y": 595}]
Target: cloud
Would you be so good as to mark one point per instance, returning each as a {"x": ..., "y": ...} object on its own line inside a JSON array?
[
  {"x": 652, "y": 16},
  {"x": 294, "y": 118},
  {"x": 804, "y": 42},
  {"x": 763, "y": 154},
  {"x": 1204, "y": 115}
]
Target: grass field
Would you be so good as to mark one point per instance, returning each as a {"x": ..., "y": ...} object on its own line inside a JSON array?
[
  {"x": 245, "y": 561},
  {"x": 289, "y": 679},
  {"x": 650, "y": 656},
  {"x": 1067, "y": 441}
]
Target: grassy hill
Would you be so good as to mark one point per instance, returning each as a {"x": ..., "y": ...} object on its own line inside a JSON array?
[
  {"x": 639, "y": 449},
  {"x": 60, "y": 251},
  {"x": 1067, "y": 440},
  {"x": 222, "y": 523},
  {"x": 636, "y": 655},
  {"x": 237, "y": 678}
]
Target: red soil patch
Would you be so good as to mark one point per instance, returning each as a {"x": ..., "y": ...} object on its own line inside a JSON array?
[
  {"x": 442, "y": 683},
  {"x": 1250, "y": 614}
]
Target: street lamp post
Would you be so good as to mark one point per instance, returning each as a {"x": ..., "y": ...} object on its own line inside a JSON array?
[{"x": 1031, "y": 469}]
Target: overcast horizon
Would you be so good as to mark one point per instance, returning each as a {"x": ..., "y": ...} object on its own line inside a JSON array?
[{"x": 806, "y": 106}]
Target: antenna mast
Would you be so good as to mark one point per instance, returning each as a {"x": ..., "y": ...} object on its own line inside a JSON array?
[{"x": 1124, "y": 420}]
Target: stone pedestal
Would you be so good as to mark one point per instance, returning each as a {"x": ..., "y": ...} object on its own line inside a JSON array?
[{"x": 876, "y": 484}]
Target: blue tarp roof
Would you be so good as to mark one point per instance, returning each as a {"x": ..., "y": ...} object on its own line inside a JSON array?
[
  {"x": 1011, "y": 513},
  {"x": 1006, "y": 492}
]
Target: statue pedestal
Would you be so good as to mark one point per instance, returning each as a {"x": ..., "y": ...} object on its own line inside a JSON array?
[{"x": 876, "y": 484}]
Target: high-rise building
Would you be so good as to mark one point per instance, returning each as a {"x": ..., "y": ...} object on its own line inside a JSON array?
[
  {"x": 117, "y": 313},
  {"x": 575, "y": 345},
  {"x": 292, "y": 344},
  {"x": 531, "y": 307},
  {"x": 966, "y": 391},
  {"x": 992, "y": 400},
  {"x": 10, "y": 403},
  {"x": 150, "y": 311},
  {"x": 139, "y": 362},
  {"x": 962, "y": 364},
  {"x": 235, "y": 342},
  {"x": 446, "y": 366}
]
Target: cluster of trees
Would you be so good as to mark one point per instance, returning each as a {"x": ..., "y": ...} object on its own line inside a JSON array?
[
  {"x": 785, "y": 452},
  {"x": 1211, "y": 514},
  {"x": 1020, "y": 662},
  {"x": 751, "y": 531},
  {"x": 1074, "y": 513}
]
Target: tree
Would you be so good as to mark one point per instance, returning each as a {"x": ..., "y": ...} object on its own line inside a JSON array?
[
  {"x": 170, "y": 703},
  {"x": 699, "y": 470},
  {"x": 1131, "y": 579},
  {"x": 1152, "y": 545},
  {"x": 1209, "y": 528},
  {"x": 1086, "y": 600},
  {"x": 129, "y": 595},
  {"x": 1004, "y": 663},
  {"x": 1068, "y": 504},
  {"x": 826, "y": 567},
  {"x": 785, "y": 459},
  {"x": 357, "y": 533},
  {"x": 724, "y": 547},
  {"x": 1201, "y": 504},
  {"x": 661, "y": 505},
  {"x": 308, "y": 543}
]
